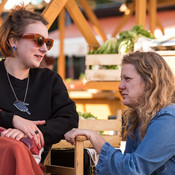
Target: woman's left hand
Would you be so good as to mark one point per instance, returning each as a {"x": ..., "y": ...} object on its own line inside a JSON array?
[{"x": 30, "y": 128}]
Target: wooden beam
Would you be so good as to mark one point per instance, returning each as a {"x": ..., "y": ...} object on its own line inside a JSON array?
[
  {"x": 52, "y": 10},
  {"x": 81, "y": 22},
  {"x": 152, "y": 9},
  {"x": 140, "y": 11},
  {"x": 1, "y": 9},
  {"x": 2, "y": 5},
  {"x": 90, "y": 14},
  {"x": 158, "y": 23},
  {"x": 61, "y": 58}
]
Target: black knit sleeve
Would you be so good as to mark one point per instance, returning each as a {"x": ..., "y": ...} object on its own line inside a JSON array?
[
  {"x": 64, "y": 116},
  {"x": 6, "y": 119}
]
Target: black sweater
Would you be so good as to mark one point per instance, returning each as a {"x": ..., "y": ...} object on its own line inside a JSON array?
[{"x": 48, "y": 100}]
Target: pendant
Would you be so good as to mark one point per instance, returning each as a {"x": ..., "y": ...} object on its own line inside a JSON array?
[{"x": 21, "y": 106}]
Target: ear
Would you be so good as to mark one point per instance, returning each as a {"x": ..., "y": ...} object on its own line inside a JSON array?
[{"x": 12, "y": 42}]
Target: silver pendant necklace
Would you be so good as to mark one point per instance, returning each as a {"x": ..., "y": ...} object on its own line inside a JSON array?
[{"x": 22, "y": 106}]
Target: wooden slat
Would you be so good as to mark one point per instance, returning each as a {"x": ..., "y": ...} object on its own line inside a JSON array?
[
  {"x": 62, "y": 144},
  {"x": 61, "y": 170},
  {"x": 52, "y": 10},
  {"x": 103, "y": 75},
  {"x": 81, "y": 22},
  {"x": 101, "y": 125},
  {"x": 166, "y": 53},
  {"x": 103, "y": 59}
]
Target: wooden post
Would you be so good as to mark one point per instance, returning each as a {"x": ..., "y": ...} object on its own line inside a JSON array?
[
  {"x": 79, "y": 156},
  {"x": 61, "y": 58},
  {"x": 152, "y": 9},
  {"x": 97, "y": 27},
  {"x": 140, "y": 11}
]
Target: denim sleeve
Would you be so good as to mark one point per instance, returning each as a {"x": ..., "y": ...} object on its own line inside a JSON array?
[{"x": 157, "y": 147}]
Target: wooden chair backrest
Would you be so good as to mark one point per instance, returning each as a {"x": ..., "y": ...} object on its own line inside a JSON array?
[
  {"x": 81, "y": 143},
  {"x": 114, "y": 125}
]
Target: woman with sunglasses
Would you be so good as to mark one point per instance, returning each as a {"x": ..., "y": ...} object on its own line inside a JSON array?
[{"x": 34, "y": 102}]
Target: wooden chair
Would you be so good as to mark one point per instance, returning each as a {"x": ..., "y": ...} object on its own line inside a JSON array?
[{"x": 81, "y": 143}]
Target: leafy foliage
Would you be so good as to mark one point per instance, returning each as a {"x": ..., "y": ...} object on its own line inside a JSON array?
[
  {"x": 86, "y": 115},
  {"x": 124, "y": 43}
]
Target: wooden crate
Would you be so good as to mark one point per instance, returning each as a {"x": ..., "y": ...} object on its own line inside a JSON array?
[
  {"x": 169, "y": 56},
  {"x": 103, "y": 74},
  {"x": 115, "y": 59}
]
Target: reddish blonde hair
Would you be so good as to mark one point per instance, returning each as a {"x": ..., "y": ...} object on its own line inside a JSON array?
[{"x": 14, "y": 25}]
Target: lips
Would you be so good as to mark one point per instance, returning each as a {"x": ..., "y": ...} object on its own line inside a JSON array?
[
  {"x": 39, "y": 57},
  {"x": 123, "y": 95}
]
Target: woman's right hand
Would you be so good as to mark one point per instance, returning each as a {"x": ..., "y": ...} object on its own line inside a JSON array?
[
  {"x": 96, "y": 140},
  {"x": 29, "y": 128},
  {"x": 71, "y": 135},
  {"x": 13, "y": 133}
]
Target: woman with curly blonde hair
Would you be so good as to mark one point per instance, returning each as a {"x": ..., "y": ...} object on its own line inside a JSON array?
[{"x": 148, "y": 89}]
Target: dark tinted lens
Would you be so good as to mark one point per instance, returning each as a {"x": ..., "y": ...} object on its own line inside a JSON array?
[
  {"x": 40, "y": 41},
  {"x": 48, "y": 43}
]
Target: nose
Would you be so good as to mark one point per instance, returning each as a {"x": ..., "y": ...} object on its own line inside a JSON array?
[
  {"x": 43, "y": 48},
  {"x": 121, "y": 86}
]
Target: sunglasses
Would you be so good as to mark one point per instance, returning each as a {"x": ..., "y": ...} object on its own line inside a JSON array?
[{"x": 39, "y": 40}]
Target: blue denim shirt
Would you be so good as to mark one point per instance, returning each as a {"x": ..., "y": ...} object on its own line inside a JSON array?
[{"x": 154, "y": 155}]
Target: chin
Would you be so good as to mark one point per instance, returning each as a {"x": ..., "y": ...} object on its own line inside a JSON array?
[
  {"x": 127, "y": 104},
  {"x": 35, "y": 65}
]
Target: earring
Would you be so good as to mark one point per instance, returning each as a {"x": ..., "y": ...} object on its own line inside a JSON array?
[{"x": 14, "y": 48}]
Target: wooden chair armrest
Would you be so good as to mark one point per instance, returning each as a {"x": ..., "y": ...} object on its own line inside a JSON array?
[{"x": 81, "y": 138}]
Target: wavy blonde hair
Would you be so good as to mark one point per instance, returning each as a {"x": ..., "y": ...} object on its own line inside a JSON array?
[{"x": 159, "y": 90}]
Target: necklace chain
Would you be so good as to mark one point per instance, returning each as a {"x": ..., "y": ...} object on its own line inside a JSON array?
[{"x": 14, "y": 90}]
